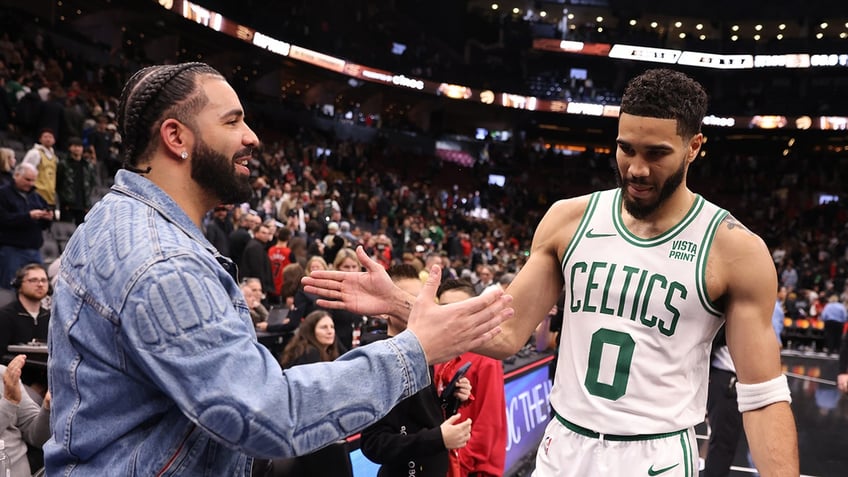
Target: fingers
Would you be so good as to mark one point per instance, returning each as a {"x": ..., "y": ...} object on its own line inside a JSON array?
[{"x": 329, "y": 303}]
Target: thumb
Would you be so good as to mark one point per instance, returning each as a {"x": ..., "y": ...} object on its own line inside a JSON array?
[
  {"x": 431, "y": 285},
  {"x": 453, "y": 419},
  {"x": 367, "y": 261}
]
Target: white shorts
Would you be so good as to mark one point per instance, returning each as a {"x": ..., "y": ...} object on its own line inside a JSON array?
[{"x": 577, "y": 452}]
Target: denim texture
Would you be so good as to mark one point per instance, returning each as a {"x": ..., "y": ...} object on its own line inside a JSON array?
[{"x": 154, "y": 364}]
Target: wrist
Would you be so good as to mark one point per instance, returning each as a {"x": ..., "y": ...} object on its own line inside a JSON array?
[{"x": 401, "y": 305}]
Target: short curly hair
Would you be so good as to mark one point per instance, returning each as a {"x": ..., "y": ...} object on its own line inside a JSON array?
[
  {"x": 151, "y": 96},
  {"x": 667, "y": 94}
]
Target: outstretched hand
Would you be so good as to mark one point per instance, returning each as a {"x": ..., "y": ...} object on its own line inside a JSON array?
[
  {"x": 365, "y": 293},
  {"x": 446, "y": 331}
]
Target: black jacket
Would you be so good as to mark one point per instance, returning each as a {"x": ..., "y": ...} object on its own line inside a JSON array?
[
  {"x": 409, "y": 438},
  {"x": 18, "y": 326}
]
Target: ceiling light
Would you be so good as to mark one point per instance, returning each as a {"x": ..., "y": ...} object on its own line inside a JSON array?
[
  {"x": 734, "y": 38},
  {"x": 699, "y": 26},
  {"x": 653, "y": 24},
  {"x": 599, "y": 19},
  {"x": 780, "y": 36},
  {"x": 703, "y": 37},
  {"x": 823, "y": 25},
  {"x": 782, "y": 26},
  {"x": 735, "y": 28},
  {"x": 633, "y": 23},
  {"x": 494, "y": 6},
  {"x": 756, "y": 37},
  {"x": 678, "y": 24},
  {"x": 682, "y": 35},
  {"x": 758, "y": 27},
  {"x": 819, "y": 35}
]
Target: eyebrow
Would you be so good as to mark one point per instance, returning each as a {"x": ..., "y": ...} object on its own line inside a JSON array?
[
  {"x": 651, "y": 147},
  {"x": 233, "y": 113}
]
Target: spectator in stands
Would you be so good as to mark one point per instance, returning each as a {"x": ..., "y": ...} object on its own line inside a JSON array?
[
  {"x": 779, "y": 314},
  {"x": 218, "y": 229},
  {"x": 415, "y": 437},
  {"x": 26, "y": 319},
  {"x": 240, "y": 237},
  {"x": 315, "y": 342},
  {"x": 7, "y": 165},
  {"x": 280, "y": 256},
  {"x": 254, "y": 260},
  {"x": 345, "y": 321},
  {"x": 46, "y": 162},
  {"x": 485, "y": 453},
  {"x": 304, "y": 303},
  {"x": 75, "y": 181},
  {"x": 22, "y": 420},
  {"x": 23, "y": 216},
  {"x": 789, "y": 276},
  {"x": 251, "y": 288},
  {"x": 834, "y": 316},
  {"x": 486, "y": 278},
  {"x": 178, "y": 385}
]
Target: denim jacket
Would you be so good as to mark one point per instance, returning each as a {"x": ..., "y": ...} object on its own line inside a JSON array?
[{"x": 154, "y": 365}]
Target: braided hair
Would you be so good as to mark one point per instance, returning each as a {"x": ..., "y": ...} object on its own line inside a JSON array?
[{"x": 151, "y": 96}]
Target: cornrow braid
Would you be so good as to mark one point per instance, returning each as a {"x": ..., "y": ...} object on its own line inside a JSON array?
[{"x": 149, "y": 97}]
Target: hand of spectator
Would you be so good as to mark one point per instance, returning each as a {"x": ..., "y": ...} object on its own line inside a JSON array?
[
  {"x": 370, "y": 293},
  {"x": 262, "y": 326},
  {"x": 46, "y": 403},
  {"x": 463, "y": 389},
  {"x": 12, "y": 379},
  {"x": 842, "y": 382},
  {"x": 446, "y": 331},
  {"x": 456, "y": 435},
  {"x": 39, "y": 214}
]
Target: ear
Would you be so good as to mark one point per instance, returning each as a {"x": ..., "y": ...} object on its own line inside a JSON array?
[
  {"x": 176, "y": 137},
  {"x": 694, "y": 147}
]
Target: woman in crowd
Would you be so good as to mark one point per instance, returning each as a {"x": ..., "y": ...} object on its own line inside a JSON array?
[
  {"x": 315, "y": 341},
  {"x": 304, "y": 303},
  {"x": 7, "y": 165},
  {"x": 346, "y": 322}
]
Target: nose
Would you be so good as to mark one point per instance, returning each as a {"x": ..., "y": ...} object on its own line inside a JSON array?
[
  {"x": 250, "y": 138},
  {"x": 638, "y": 167}
]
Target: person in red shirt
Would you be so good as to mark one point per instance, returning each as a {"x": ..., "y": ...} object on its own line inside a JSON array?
[
  {"x": 485, "y": 453},
  {"x": 280, "y": 256}
]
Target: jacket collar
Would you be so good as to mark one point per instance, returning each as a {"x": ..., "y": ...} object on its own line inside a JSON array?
[{"x": 142, "y": 189}]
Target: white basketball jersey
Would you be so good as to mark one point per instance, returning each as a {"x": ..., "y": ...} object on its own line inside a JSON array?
[{"x": 637, "y": 323}]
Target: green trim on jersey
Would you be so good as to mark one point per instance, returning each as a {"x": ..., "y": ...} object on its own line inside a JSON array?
[
  {"x": 686, "y": 444},
  {"x": 701, "y": 264},
  {"x": 612, "y": 437},
  {"x": 669, "y": 234},
  {"x": 581, "y": 228}
]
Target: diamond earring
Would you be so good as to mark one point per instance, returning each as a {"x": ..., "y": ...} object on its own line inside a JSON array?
[{"x": 183, "y": 155}]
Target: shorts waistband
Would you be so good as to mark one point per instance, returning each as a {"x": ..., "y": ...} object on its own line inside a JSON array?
[{"x": 612, "y": 437}]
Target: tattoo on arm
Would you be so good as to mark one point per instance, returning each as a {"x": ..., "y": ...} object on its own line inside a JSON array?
[{"x": 732, "y": 224}]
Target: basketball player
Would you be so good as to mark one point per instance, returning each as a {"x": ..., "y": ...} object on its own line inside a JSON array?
[{"x": 650, "y": 270}]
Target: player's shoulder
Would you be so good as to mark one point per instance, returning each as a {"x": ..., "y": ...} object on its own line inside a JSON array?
[
  {"x": 736, "y": 243},
  {"x": 570, "y": 209}
]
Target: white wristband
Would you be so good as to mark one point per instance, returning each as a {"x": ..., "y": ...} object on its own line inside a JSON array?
[{"x": 755, "y": 396}]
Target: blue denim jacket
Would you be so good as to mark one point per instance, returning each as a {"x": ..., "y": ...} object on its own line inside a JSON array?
[{"x": 155, "y": 368}]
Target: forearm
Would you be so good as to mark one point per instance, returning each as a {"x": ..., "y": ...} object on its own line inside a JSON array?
[{"x": 773, "y": 440}]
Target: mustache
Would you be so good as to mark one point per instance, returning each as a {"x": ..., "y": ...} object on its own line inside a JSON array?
[{"x": 247, "y": 151}]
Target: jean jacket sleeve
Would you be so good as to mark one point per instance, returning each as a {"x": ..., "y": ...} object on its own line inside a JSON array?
[{"x": 194, "y": 340}]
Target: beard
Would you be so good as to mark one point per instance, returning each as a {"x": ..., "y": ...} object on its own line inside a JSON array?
[
  {"x": 215, "y": 173},
  {"x": 641, "y": 209},
  {"x": 34, "y": 295}
]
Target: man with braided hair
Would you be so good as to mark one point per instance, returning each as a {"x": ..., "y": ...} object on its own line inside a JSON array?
[
  {"x": 154, "y": 364},
  {"x": 650, "y": 270}
]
